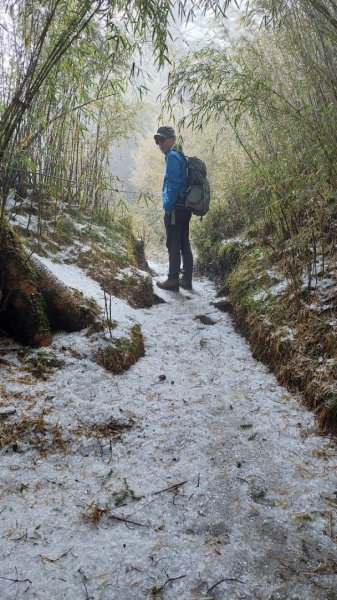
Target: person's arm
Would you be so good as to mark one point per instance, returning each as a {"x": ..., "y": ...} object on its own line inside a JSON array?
[{"x": 172, "y": 187}]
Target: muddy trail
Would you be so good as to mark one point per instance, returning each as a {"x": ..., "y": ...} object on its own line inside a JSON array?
[{"x": 213, "y": 484}]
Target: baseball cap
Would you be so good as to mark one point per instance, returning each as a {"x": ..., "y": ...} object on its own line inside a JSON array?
[{"x": 164, "y": 132}]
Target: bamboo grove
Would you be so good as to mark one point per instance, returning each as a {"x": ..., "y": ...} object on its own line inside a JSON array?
[
  {"x": 270, "y": 96},
  {"x": 63, "y": 89}
]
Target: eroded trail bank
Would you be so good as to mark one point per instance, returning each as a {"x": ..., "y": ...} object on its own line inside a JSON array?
[{"x": 213, "y": 483}]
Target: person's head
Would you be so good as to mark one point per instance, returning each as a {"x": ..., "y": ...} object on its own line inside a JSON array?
[{"x": 165, "y": 138}]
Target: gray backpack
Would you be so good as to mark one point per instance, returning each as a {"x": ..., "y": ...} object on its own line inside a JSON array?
[{"x": 198, "y": 193}]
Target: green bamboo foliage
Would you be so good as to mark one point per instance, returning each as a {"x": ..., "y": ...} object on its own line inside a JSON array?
[
  {"x": 63, "y": 91},
  {"x": 275, "y": 87},
  {"x": 62, "y": 144}
]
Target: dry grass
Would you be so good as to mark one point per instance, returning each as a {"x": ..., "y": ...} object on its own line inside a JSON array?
[
  {"x": 40, "y": 363},
  {"x": 93, "y": 513},
  {"x": 34, "y": 432},
  {"x": 110, "y": 252},
  {"x": 19, "y": 399},
  {"x": 120, "y": 354},
  {"x": 136, "y": 290},
  {"x": 99, "y": 326},
  {"x": 110, "y": 429},
  {"x": 328, "y": 414}
]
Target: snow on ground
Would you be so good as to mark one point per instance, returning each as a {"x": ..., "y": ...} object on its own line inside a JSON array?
[
  {"x": 26, "y": 221},
  {"x": 220, "y": 488},
  {"x": 235, "y": 240},
  {"x": 75, "y": 277}
]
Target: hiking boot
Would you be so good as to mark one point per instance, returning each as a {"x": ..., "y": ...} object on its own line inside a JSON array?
[
  {"x": 171, "y": 283},
  {"x": 185, "y": 283}
]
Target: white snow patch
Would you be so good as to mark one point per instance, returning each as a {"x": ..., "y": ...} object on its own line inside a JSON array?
[
  {"x": 26, "y": 221},
  {"x": 285, "y": 333},
  {"x": 279, "y": 287},
  {"x": 131, "y": 272},
  {"x": 274, "y": 274},
  {"x": 235, "y": 240},
  {"x": 319, "y": 284},
  {"x": 10, "y": 200},
  {"x": 86, "y": 247},
  {"x": 80, "y": 226},
  {"x": 274, "y": 290},
  {"x": 75, "y": 277},
  {"x": 261, "y": 295}
]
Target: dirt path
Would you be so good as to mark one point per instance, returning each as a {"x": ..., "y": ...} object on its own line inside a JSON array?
[{"x": 221, "y": 487}]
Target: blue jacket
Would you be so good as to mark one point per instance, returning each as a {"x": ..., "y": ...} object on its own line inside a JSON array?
[{"x": 175, "y": 181}]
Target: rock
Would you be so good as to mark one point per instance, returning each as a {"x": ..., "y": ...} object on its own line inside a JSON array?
[
  {"x": 157, "y": 299},
  {"x": 162, "y": 377},
  {"x": 223, "y": 291},
  {"x": 225, "y": 305},
  {"x": 6, "y": 412},
  {"x": 204, "y": 319}
]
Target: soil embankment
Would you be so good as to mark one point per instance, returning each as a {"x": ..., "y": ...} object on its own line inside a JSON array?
[{"x": 291, "y": 325}]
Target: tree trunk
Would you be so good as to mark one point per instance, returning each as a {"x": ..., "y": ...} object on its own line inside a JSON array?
[{"x": 33, "y": 303}]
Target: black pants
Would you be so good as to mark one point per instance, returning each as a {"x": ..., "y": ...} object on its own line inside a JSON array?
[{"x": 178, "y": 243}]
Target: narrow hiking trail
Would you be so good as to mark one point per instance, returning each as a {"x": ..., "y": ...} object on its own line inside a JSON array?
[{"x": 217, "y": 487}]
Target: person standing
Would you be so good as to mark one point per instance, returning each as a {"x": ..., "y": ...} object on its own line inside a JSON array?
[{"x": 177, "y": 217}]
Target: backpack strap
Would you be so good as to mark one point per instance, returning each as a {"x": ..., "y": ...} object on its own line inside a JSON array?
[
  {"x": 179, "y": 149},
  {"x": 182, "y": 197}
]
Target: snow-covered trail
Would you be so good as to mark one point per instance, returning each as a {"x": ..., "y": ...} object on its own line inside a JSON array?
[{"x": 227, "y": 490}]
